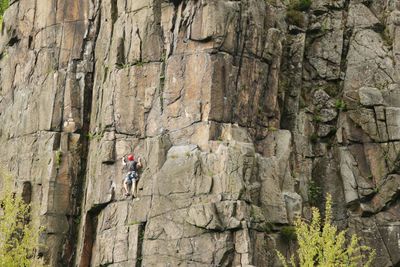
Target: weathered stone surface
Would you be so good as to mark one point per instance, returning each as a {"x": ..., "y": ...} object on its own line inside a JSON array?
[
  {"x": 393, "y": 123},
  {"x": 274, "y": 170},
  {"x": 324, "y": 54},
  {"x": 387, "y": 189},
  {"x": 368, "y": 62},
  {"x": 360, "y": 16},
  {"x": 370, "y": 96},
  {"x": 232, "y": 110},
  {"x": 349, "y": 180},
  {"x": 364, "y": 118},
  {"x": 326, "y": 115},
  {"x": 370, "y": 234}
]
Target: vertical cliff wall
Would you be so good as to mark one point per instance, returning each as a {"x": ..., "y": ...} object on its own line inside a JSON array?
[{"x": 245, "y": 114}]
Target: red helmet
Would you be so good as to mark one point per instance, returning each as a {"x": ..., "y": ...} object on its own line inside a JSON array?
[{"x": 131, "y": 158}]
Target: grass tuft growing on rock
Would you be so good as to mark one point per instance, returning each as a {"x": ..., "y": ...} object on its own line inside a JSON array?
[
  {"x": 340, "y": 104},
  {"x": 58, "y": 158},
  {"x": 314, "y": 193}
]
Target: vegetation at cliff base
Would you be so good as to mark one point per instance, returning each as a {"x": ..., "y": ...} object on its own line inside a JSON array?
[
  {"x": 320, "y": 244},
  {"x": 3, "y": 6},
  {"x": 18, "y": 236}
]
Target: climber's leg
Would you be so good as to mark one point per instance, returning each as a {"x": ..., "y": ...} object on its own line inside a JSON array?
[
  {"x": 134, "y": 187},
  {"x": 126, "y": 186}
]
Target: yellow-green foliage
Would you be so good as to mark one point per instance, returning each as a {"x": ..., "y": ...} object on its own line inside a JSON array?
[
  {"x": 323, "y": 245},
  {"x": 3, "y": 6},
  {"x": 18, "y": 236},
  {"x": 58, "y": 158}
]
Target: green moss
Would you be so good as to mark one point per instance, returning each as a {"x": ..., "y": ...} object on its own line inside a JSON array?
[
  {"x": 288, "y": 233},
  {"x": 314, "y": 138},
  {"x": 50, "y": 69},
  {"x": 252, "y": 213},
  {"x": 123, "y": 65},
  {"x": 58, "y": 158},
  {"x": 317, "y": 118},
  {"x": 386, "y": 38},
  {"x": 141, "y": 235}
]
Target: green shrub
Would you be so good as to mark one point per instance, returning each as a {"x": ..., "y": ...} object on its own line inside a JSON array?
[
  {"x": 19, "y": 239},
  {"x": 296, "y": 18},
  {"x": 300, "y": 5},
  {"x": 314, "y": 193},
  {"x": 320, "y": 244}
]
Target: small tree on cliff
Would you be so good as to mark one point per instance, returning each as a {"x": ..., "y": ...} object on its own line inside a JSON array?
[
  {"x": 326, "y": 247},
  {"x": 18, "y": 236}
]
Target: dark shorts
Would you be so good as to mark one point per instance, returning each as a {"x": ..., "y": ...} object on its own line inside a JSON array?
[{"x": 131, "y": 176}]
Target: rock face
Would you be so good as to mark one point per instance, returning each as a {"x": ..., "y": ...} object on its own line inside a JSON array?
[{"x": 245, "y": 114}]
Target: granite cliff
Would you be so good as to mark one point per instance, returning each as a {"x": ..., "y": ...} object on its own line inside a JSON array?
[{"x": 245, "y": 113}]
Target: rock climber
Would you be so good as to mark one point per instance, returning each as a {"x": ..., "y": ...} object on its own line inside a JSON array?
[{"x": 132, "y": 176}]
